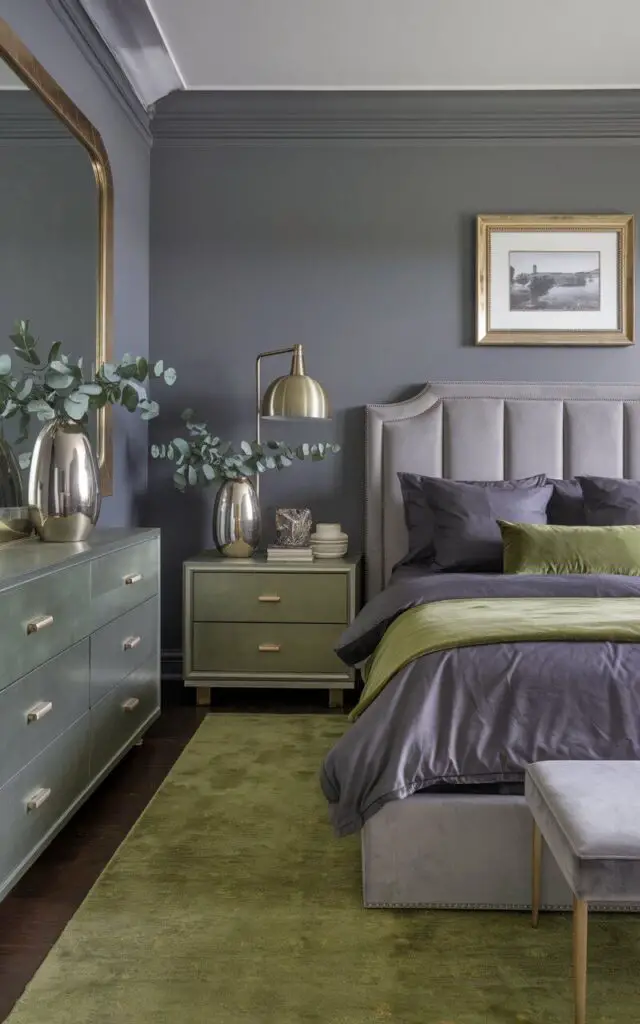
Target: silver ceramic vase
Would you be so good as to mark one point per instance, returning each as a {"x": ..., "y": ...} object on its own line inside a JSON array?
[
  {"x": 10, "y": 478},
  {"x": 236, "y": 519},
  {"x": 64, "y": 485}
]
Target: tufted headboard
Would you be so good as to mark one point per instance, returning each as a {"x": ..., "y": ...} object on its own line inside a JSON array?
[{"x": 490, "y": 431}]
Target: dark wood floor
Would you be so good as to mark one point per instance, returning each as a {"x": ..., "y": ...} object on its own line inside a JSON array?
[{"x": 34, "y": 914}]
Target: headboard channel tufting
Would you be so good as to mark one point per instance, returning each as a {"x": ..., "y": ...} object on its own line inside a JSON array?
[{"x": 490, "y": 431}]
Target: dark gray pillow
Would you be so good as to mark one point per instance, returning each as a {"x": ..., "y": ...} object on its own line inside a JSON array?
[
  {"x": 466, "y": 535},
  {"x": 419, "y": 517},
  {"x": 609, "y": 501},
  {"x": 566, "y": 507}
]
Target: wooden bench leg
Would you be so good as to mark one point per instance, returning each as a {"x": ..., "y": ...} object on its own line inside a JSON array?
[
  {"x": 580, "y": 929},
  {"x": 536, "y": 875}
]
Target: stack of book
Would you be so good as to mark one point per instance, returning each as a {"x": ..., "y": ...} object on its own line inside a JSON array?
[{"x": 281, "y": 554}]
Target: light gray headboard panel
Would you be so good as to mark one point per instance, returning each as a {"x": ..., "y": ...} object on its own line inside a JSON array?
[{"x": 490, "y": 431}]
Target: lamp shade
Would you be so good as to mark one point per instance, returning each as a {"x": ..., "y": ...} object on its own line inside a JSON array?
[{"x": 295, "y": 396}]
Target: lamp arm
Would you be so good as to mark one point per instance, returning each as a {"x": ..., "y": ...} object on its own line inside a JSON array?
[{"x": 264, "y": 355}]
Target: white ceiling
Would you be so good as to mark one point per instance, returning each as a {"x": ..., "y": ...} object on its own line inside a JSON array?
[{"x": 402, "y": 44}]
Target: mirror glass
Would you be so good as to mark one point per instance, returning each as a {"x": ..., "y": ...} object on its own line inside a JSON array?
[{"x": 49, "y": 235}]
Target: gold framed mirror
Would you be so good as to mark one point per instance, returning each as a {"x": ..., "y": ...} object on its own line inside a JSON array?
[{"x": 98, "y": 234}]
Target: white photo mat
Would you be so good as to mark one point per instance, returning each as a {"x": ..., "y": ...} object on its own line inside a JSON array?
[{"x": 503, "y": 243}]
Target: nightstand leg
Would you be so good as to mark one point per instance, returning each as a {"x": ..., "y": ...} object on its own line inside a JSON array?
[
  {"x": 336, "y": 698},
  {"x": 203, "y": 696}
]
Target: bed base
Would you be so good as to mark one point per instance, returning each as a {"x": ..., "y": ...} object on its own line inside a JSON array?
[{"x": 461, "y": 852}]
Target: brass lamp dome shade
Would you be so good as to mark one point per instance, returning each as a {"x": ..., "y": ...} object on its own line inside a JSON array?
[{"x": 295, "y": 396}]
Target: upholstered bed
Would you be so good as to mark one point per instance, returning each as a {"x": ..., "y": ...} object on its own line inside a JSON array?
[{"x": 470, "y": 846}]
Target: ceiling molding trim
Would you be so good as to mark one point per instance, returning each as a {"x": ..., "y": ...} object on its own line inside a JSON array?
[
  {"x": 198, "y": 118},
  {"x": 92, "y": 46}
]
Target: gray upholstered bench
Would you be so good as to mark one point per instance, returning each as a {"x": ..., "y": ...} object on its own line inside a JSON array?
[{"x": 588, "y": 813}]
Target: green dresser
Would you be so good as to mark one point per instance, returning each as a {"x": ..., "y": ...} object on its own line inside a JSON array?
[
  {"x": 249, "y": 622},
  {"x": 79, "y": 677}
]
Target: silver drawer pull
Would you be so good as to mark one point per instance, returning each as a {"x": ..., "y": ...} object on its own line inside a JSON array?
[
  {"x": 133, "y": 577},
  {"x": 131, "y": 642},
  {"x": 269, "y": 648},
  {"x": 39, "y": 710},
  {"x": 269, "y": 598},
  {"x": 37, "y": 624},
  {"x": 38, "y": 799},
  {"x": 131, "y": 704}
]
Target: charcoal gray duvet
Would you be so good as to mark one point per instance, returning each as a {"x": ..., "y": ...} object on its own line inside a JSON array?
[{"x": 478, "y": 715}]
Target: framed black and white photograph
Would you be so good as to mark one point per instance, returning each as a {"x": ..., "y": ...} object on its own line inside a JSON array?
[{"x": 555, "y": 280}]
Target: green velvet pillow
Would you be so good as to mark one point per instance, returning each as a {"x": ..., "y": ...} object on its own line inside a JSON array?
[{"x": 545, "y": 550}]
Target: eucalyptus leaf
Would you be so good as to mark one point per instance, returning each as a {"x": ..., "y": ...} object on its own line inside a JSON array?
[
  {"x": 59, "y": 381},
  {"x": 246, "y": 448},
  {"x": 208, "y": 471},
  {"x": 24, "y": 460},
  {"x": 129, "y": 398},
  {"x": 158, "y": 369},
  {"x": 5, "y": 365},
  {"x": 170, "y": 376},
  {"x": 192, "y": 476},
  {"x": 89, "y": 389},
  {"x": 76, "y": 406}
]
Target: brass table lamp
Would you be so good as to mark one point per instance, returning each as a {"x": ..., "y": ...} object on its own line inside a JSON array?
[{"x": 293, "y": 397}]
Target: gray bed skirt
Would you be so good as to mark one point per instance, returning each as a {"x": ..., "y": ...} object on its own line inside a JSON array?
[{"x": 456, "y": 851}]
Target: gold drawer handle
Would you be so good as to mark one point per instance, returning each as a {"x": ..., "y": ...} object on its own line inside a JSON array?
[
  {"x": 131, "y": 642},
  {"x": 269, "y": 598},
  {"x": 38, "y": 799},
  {"x": 37, "y": 624},
  {"x": 269, "y": 648},
  {"x": 131, "y": 704},
  {"x": 38, "y": 711},
  {"x": 133, "y": 577}
]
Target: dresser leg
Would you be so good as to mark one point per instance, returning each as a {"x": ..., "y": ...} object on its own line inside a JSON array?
[
  {"x": 203, "y": 696},
  {"x": 336, "y": 698}
]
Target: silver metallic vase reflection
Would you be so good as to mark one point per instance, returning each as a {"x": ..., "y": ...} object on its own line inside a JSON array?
[
  {"x": 236, "y": 519},
  {"x": 64, "y": 490}
]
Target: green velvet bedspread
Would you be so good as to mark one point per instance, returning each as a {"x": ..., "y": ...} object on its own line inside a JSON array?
[{"x": 444, "y": 625}]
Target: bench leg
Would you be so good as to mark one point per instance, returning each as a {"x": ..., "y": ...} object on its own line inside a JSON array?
[
  {"x": 536, "y": 874},
  {"x": 580, "y": 929}
]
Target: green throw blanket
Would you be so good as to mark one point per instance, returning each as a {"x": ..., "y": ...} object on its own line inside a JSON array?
[{"x": 444, "y": 625}]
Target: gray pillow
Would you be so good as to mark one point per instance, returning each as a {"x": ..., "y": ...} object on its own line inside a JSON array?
[
  {"x": 419, "y": 517},
  {"x": 609, "y": 501},
  {"x": 466, "y": 535},
  {"x": 566, "y": 507}
]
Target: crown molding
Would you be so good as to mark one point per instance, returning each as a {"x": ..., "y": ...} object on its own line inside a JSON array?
[
  {"x": 24, "y": 118},
  {"x": 198, "y": 118},
  {"x": 91, "y": 44}
]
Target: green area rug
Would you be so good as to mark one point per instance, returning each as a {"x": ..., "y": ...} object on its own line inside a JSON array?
[{"x": 232, "y": 903}]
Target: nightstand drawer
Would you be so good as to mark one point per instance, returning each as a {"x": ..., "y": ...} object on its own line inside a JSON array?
[
  {"x": 270, "y": 597},
  {"x": 267, "y": 649}
]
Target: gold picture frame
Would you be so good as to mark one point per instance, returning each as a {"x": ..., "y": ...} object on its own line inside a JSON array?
[
  {"x": 34, "y": 75},
  {"x": 590, "y": 290}
]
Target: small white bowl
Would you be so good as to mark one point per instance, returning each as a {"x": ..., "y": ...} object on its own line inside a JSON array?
[{"x": 328, "y": 530}]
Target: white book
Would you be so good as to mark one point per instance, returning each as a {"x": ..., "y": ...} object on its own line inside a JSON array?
[{"x": 275, "y": 554}]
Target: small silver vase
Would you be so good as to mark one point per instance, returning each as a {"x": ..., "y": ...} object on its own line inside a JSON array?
[
  {"x": 64, "y": 485},
  {"x": 236, "y": 519}
]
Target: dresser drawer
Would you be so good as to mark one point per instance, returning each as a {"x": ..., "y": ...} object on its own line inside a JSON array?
[
  {"x": 41, "y": 618},
  {"x": 53, "y": 780},
  {"x": 267, "y": 649},
  {"x": 40, "y": 706},
  {"x": 270, "y": 597},
  {"x": 124, "y": 579},
  {"x": 119, "y": 715},
  {"x": 122, "y": 646}
]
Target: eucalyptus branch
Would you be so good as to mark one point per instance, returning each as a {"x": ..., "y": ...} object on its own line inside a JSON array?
[
  {"x": 58, "y": 386},
  {"x": 203, "y": 458}
]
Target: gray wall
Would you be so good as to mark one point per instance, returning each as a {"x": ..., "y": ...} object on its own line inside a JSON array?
[
  {"x": 365, "y": 253},
  {"x": 44, "y": 28}
]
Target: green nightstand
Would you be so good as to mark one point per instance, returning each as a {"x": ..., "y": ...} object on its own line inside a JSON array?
[{"x": 249, "y": 622}]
